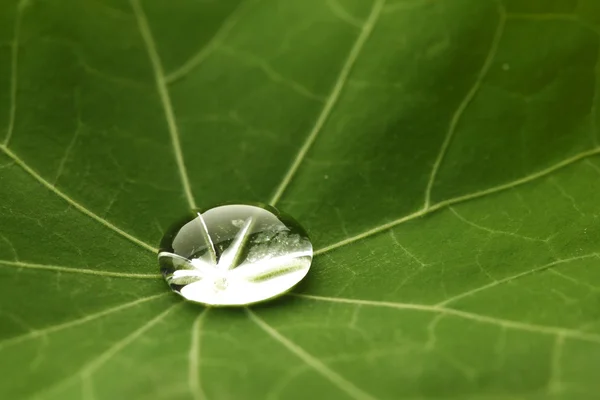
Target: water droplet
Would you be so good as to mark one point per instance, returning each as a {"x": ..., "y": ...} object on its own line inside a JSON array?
[{"x": 234, "y": 255}]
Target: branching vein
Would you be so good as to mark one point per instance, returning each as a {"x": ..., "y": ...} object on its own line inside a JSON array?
[
  {"x": 313, "y": 362},
  {"x": 56, "y": 268},
  {"x": 510, "y": 324},
  {"x": 70, "y": 146},
  {"x": 213, "y": 44},
  {"x": 465, "y": 103},
  {"x": 461, "y": 199},
  {"x": 332, "y": 99},
  {"x": 79, "y": 321},
  {"x": 515, "y": 277},
  {"x": 339, "y": 11},
  {"x": 270, "y": 72},
  {"x": 88, "y": 369},
  {"x": 72, "y": 202},
  {"x": 493, "y": 231},
  {"x": 165, "y": 98}
]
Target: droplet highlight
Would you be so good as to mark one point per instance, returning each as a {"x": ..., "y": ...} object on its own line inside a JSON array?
[{"x": 234, "y": 255}]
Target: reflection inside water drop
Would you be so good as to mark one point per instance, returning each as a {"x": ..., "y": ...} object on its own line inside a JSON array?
[{"x": 234, "y": 255}]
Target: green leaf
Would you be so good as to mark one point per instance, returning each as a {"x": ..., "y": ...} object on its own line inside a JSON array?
[{"x": 443, "y": 154}]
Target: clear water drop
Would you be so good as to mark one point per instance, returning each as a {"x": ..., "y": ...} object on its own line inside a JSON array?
[{"x": 234, "y": 255}]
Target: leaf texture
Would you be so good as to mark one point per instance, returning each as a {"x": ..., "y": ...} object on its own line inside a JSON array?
[{"x": 443, "y": 155}]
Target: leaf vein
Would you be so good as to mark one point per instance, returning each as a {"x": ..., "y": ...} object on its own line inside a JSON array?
[
  {"x": 331, "y": 100},
  {"x": 466, "y": 102},
  {"x": 505, "y": 323},
  {"x": 72, "y": 323},
  {"x": 340, "y": 12},
  {"x": 515, "y": 277},
  {"x": 74, "y": 203},
  {"x": 309, "y": 359},
  {"x": 270, "y": 72},
  {"x": 194, "y": 381},
  {"x": 554, "y": 381},
  {"x": 67, "y": 154},
  {"x": 165, "y": 98},
  {"x": 57, "y": 268},
  {"x": 461, "y": 199},
  {"x": 14, "y": 76},
  {"x": 493, "y": 231},
  {"x": 89, "y": 368},
  {"x": 567, "y": 196},
  {"x": 212, "y": 45}
]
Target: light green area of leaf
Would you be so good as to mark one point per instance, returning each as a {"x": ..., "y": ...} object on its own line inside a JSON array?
[{"x": 443, "y": 154}]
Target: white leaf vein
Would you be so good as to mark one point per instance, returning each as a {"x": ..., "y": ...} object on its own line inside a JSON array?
[
  {"x": 515, "y": 277},
  {"x": 339, "y": 381},
  {"x": 72, "y": 202},
  {"x": 466, "y": 101},
  {"x": 506, "y": 323},
  {"x": 213, "y": 44},
  {"x": 461, "y": 199},
  {"x": 194, "y": 381},
  {"x": 14, "y": 72},
  {"x": 165, "y": 98},
  {"x": 332, "y": 99},
  {"x": 71, "y": 270},
  {"x": 89, "y": 368},
  {"x": 79, "y": 321}
]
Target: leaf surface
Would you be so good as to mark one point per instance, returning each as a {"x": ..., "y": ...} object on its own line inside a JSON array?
[{"x": 443, "y": 155}]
